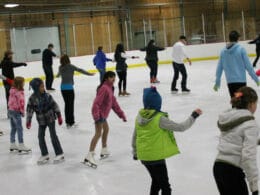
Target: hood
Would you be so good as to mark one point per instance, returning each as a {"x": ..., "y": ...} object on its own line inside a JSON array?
[
  {"x": 231, "y": 47},
  {"x": 145, "y": 116},
  {"x": 233, "y": 117}
]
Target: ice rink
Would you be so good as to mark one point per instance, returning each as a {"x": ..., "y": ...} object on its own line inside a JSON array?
[{"x": 190, "y": 172}]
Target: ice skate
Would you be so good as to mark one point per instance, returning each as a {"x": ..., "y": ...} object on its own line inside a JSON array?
[
  {"x": 1, "y": 133},
  {"x": 174, "y": 91},
  {"x": 13, "y": 147},
  {"x": 185, "y": 91},
  {"x": 104, "y": 153},
  {"x": 90, "y": 161},
  {"x": 43, "y": 160},
  {"x": 22, "y": 149},
  {"x": 73, "y": 126},
  {"x": 125, "y": 93},
  {"x": 120, "y": 93},
  {"x": 59, "y": 158}
]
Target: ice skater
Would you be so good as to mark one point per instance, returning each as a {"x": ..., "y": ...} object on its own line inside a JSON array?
[
  {"x": 103, "y": 103},
  {"x": 152, "y": 128},
  {"x": 151, "y": 59},
  {"x": 234, "y": 62},
  {"x": 257, "y": 43},
  {"x": 8, "y": 66},
  {"x": 47, "y": 62},
  {"x": 237, "y": 148},
  {"x": 99, "y": 61},
  {"x": 66, "y": 71},
  {"x": 16, "y": 112},
  {"x": 47, "y": 110},
  {"x": 178, "y": 55},
  {"x": 121, "y": 68}
]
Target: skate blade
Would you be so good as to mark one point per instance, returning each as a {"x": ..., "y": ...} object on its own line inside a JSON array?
[
  {"x": 89, "y": 164},
  {"x": 42, "y": 162},
  {"x": 59, "y": 161},
  {"x": 104, "y": 156},
  {"x": 13, "y": 150},
  {"x": 22, "y": 152}
]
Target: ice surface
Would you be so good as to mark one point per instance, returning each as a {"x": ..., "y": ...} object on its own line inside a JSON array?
[{"x": 190, "y": 172}]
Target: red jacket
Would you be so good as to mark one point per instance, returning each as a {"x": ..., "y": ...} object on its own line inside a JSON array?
[{"x": 104, "y": 101}]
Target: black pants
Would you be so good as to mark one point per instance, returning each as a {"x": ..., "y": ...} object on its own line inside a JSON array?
[
  {"x": 233, "y": 87},
  {"x": 7, "y": 94},
  {"x": 179, "y": 68},
  {"x": 160, "y": 180},
  {"x": 68, "y": 97},
  {"x": 48, "y": 76},
  {"x": 153, "y": 65},
  {"x": 230, "y": 180},
  {"x": 257, "y": 57},
  {"x": 122, "y": 80},
  {"x": 54, "y": 139}
]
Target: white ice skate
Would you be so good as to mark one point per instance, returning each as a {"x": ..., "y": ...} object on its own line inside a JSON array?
[
  {"x": 59, "y": 158},
  {"x": 104, "y": 153},
  {"x": 22, "y": 149},
  {"x": 13, "y": 147},
  {"x": 43, "y": 160},
  {"x": 90, "y": 161},
  {"x": 74, "y": 126}
]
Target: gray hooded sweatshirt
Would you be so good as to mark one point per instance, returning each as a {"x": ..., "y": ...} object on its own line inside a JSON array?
[{"x": 238, "y": 142}]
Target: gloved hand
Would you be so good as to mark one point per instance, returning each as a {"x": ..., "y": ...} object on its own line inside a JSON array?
[
  {"x": 28, "y": 125},
  {"x": 196, "y": 113},
  {"x": 255, "y": 193},
  {"x": 258, "y": 72},
  {"x": 9, "y": 81},
  {"x": 60, "y": 120},
  {"x": 216, "y": 88}
]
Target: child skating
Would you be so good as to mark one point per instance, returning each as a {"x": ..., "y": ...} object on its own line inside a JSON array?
[
  {"x": 47, "y": 110},
  {"x": 236, "y": 160},
  {"x": 103, "y": 103},
  {"x": 153, "y": 139},
  {"x": 16, "y": 112}
]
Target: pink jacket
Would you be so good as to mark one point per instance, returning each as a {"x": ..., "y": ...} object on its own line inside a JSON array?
[
  {"x": 16, "y": 100},
  {"x": 104, "y": 101}
]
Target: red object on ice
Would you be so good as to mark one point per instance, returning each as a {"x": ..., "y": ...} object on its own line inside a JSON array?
[{"x": 258, "y": 72}]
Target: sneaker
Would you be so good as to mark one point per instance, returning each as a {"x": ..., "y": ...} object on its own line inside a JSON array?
[
  {"x": 13, "y": 147},
  {"x": 175, "y": 90},
  {"x": 185, "y": 90}
]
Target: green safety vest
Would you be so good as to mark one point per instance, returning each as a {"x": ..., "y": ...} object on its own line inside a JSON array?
[{"x": 152, "y": 142}]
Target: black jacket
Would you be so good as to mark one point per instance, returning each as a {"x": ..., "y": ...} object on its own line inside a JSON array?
[
  {"x": 151, "y": 52},
  {"x": 257, "y": 42},
  {"x": 47, "y": 57},
  {"x": 7, "y": 66}
]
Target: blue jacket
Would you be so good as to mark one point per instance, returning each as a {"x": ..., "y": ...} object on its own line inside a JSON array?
[
  {"x": 235, "y": 62},
  {"x": 100, "y": 60}
]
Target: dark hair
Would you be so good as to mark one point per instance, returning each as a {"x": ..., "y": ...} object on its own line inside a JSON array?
[
  {"x": 233, "y": 36},
  {"x": 119, "y": 49},
  {"x": 64, "y": 60},
  {"x": 18, "y": 83},
  {"x": 150, "y": 44},
  {"x": 100, "y": 48},
  {"x": 108, "y": 74},
  {"x": 182, "y": 37},
  {"x": 243, "y": 97},
  {"x": 50, "y": 45}
]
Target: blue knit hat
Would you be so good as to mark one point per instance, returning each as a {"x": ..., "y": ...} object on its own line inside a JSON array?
[
  {"x": 35, "y": 84},
  {"x": 152, "y": 99}
]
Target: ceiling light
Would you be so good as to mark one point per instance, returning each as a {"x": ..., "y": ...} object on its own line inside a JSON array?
[{"x": 11, "y": 5}]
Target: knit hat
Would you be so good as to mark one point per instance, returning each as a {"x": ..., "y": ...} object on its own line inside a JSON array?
[
  {"x": 35, "y": 84},
  {"x": 152, "y": 99}
]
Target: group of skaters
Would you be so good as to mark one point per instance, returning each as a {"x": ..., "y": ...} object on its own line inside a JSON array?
[{"x": 237, "y": 149}]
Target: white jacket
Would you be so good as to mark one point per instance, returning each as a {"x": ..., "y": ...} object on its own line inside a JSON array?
[
  {"x": 179, "y": 52},
  {"x": 238, "y": 142}
]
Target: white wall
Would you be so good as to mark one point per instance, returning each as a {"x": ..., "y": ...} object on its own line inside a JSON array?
[{"x": 34, "y": 69}]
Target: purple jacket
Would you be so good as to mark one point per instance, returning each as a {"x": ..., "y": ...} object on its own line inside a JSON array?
[{"x": 104, "y": 101}]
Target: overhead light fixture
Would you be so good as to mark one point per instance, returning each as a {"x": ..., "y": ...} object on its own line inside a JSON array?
[{"x": 11, "y": 5}]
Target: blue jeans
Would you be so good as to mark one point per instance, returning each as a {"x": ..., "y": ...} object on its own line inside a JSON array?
[
  {"x": 101, "y": 74},
  {"x": 16, "y": 126}
]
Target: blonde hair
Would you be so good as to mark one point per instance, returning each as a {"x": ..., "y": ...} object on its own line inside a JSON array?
[{"x": 18, "y": 83}]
